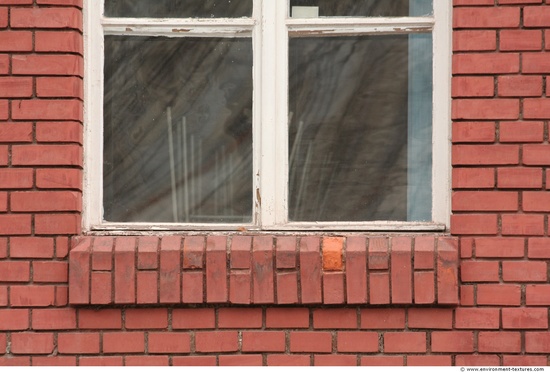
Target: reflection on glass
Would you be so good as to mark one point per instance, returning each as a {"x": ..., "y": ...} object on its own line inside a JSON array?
[
  {"x": 367, "y": 8},
  {"x": 178, "y": 8},
  {"x": 360, "y": 128},
  {"x": 178, "y": 130}
]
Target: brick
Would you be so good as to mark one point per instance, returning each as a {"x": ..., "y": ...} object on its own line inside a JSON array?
[
  {"x": 59, "y": 178},
  {"x": 147, "y": 253},
  {"x": 263, "y": 341},
  {"x": 537, "y": 342},
  {"x": 535, "y": 63},
  {"x": 382, "y": 361},
  {"x": 102, "y": 253},
  {"x": 31, "y": 247},
  {"x": 484, "y": 201},
  {"x": 101, "y": 288},
  {"x": 46, "y": 155},
  {"x": 485, "y": 154},
  {"x": 61, "y": 247},
  {"x": 287, "y": 318},
  {"x": 519, "y": 86},
  {"x": 240, "y": 318},
  {"x": 401, "y": 270},
  {"x": 146, "y": 318},
  {"x": 241, "y": 247},
  {"x": 15, "y": 41},
  {"x": 146, "y": 360},
  {"x": 169, "y": 342},
  {"x": 499, "y": 247},
  {"x": 14, "y": 271},
  {"x": 477, "y": 360},
  {"x": 16, "y": 178},
  {"x": 524, "y": 271},
  {"x": 54, "y": 361},
  {"x": 485, "y": 109},
  {"x": 99, "y": 319},
  {"x": 523, "y": 360},
  {"x": 147, "y": 290},
  {"x": 57, "y": 224},
  {"x": 424, "y": 287},
  {"x": 429, "y": 360},
  {"x": 357, "y": 342},
  {"x": 525, "y": 318},
  {"x": 536, "y": 108},
  {"x": 332, "y": 252},
  {"x": 209, "y": 342},
  {"x": 516, "y": 40},
  {"x": 536, "y": 16},
  {"x": 536, "y": 155},
  {"x": 14, "y": 319},
  {"x": 48, "y": 64},
  {"x": 479, "y": 271},
  {"x": 472, "y": 86},
  {"x": 77, "y": 3},
  {"x": 430, "y": 318},
  {"x": 262, "y": 270},
  {"x": 101, "y": 361},
  {"x": 382, "y": 319},
  {"x": 378, "y": 256},
  {"x": 498, "y": 294},
  {"x": 193, "y": 318},
  {"x": 62, "y": 319},
  {"x": 335, "y": 360},
  {"x": 453, "y": 341},
  {"x": 64, "y": 131},
  {"x": 3, "y": 17},
  {"x": 240, "y": 360},
  {"x": 125, "y": 272},
  {"x": 485, "y": 63},
  {"x": 483, "y": 318},
  {"x": 45, "y": 201},
  {"x": 486, "y": 17},
  {"x": 356, "y": 275},
  {"x": 525, "y": 178},
  {"x": 473, "y": 178},
  {"x": 123, "y": 342},
  {"x": 78, "y": 343},
  {"x": 310, "y": 342},
  {"x": 58, "y": 41},
  {"x": 333, "y": 288},
  {"x": 285, "y": 255},
  {"x": 507, "y": 2},
  {"x": 4, "y": 64},
  {"x": 474, "y": 40},
  {"x": 499, "y": 342},
  {"x": 19, "y": 132},
  {"x": 32, "y": 343},
  {"x": 4, "y": 116},
  {"x": 32, "y": 295},
  {"x": 405, "y": 342},
  {"x": 46, "y": 18},
  {"x": 47, "y": 109},
  {"x": 538, "y": 248},
  {"x": 216, "y": 271},
  {"x": 380, "y": 288},
  {"x": 15, "y": 224},
  {"x": 310, "y": 270},
  {"x": 207, "y": 360},
  {"x": 287, "y": 288},
  {"x": 61, "y": 295},
  {"x": 474, "y": 224},
  {"x": 193, "y": 252},
  {"x": 288, "y": 360},
  {"x": 12, "y": 87},
  {"x": 192, "y": 287},
  {"x": 334, "y": 319},
  {"x": 464, "y": 132},
  {"x": 59, "y": 87},
  {"x": 522, "y": 224},
  {"x": 3, "y": 296}
]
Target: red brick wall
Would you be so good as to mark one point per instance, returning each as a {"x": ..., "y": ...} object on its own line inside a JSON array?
[{"x": 501, "y": 64}]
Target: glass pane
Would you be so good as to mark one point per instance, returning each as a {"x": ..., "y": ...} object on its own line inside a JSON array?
[
  {"x": 178, "y": 130},
  {"x": 360, "y": 129},
  {"x": 178, "y": 8},
  {"x": 360, "y": 8}
]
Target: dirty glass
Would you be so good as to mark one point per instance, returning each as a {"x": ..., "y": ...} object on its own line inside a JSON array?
[
  {"x": 178, "y": 8},
  {"x": 360, "y": 128},
  {"x": 177, "y": 130},
  {"x": 362, "y": 8}
]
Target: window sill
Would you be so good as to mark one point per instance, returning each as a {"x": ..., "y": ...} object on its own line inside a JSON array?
[{"x": 264, "y": 269}]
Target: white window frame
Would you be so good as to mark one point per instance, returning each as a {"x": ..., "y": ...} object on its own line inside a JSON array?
[{"x": 270, "y": 108}]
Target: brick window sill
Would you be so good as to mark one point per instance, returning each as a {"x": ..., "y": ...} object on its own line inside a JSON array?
[{"x": 260, "y": 269}]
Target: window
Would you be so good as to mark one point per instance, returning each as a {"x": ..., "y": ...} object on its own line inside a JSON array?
[{"x": 259, "y": 114}]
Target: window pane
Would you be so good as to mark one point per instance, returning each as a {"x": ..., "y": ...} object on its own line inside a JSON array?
[
  {"x": 362, "y": 8},
  {"x": 360, "y": 129},
  {"x": 178, "y": 130},
  {"x": 178, "y": 8}
]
